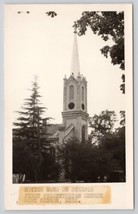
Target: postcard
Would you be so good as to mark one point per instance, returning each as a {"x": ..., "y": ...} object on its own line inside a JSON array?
[{"x": 68, "y": 82}]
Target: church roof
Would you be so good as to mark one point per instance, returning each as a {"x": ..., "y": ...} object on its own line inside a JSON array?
[
  {"x": 52, "y": 131},
  {"x": 53, "y": 128},
  {"x": 68, "y": 130}
]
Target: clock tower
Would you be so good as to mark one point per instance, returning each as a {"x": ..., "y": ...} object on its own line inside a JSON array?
[{"x": 75, "y": 116}]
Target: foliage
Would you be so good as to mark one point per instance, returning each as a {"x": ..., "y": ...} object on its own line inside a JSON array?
[
  {"x": 108, "y": 25},
  {"x": 91, "y": 162},
  {"x": 30, "y": 136},
  {"x": 102, "y": 124},
  {"x": 77, "y": 161},
  {"x": 20, "y": 158},
  {"x": 30, "y": 120},
  {"x": 50, "y": 169},
  {"x": 52, "y": 14},
  {"x": 122, "y": 121},
  {"x": 110, "y": 141}
]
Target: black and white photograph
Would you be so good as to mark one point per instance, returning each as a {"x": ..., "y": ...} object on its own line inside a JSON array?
[{"x": 68, "y": 94}]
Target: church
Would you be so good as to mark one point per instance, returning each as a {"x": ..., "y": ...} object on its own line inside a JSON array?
[{"x": 74, "y": 115}]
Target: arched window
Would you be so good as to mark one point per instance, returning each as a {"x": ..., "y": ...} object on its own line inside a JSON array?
[
  {"x": 82, "y": 93},
  {"x": 71, "y": 92},
  {"x": 83, "y": 133}
]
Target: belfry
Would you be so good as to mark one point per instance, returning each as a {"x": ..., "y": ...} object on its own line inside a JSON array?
[{"x": 74, "y": 115}]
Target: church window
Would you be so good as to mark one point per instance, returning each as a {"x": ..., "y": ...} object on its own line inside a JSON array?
[
  {"x": 82, "y": 93},
  {"x": 83, "y": 133},
  {"x": 71, "y": 92},
  {"x": 82, "y": 105}
]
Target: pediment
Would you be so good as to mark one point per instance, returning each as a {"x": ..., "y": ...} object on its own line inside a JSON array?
[
  {"x": 71, "y": 79},
  {"x": 84, "y": 81}
]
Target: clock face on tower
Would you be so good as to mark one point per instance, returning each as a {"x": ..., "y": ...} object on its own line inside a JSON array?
[{"x": 71, "y": 105}]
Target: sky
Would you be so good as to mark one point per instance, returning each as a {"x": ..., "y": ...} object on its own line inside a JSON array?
[{"x": 36, "y": 44}]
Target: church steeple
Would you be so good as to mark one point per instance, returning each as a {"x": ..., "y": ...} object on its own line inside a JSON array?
[
  {"x": 75, "y": 116},
  {"x": 75, "y": 65}
]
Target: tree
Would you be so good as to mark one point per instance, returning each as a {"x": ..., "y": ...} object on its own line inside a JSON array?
[
  {"x": 112, "y": 150},
  {"x": 108, "y": 25},
  {"x": 102, "y": 157},
  {"x": 20, "y": 160},
  {"x": 30, "y": 134},
  {"x": 109, "y": 145},
  {"x": 78, "y": 161},
  {"x": 122, "y": 121},
  {"x": 51, "y": 168},
  {"x": 101, "y": 124}
]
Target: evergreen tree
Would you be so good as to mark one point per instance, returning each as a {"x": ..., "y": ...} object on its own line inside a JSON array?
[
  {"x": 30, "y": 134},
  {"x": 30, "y": 122}
]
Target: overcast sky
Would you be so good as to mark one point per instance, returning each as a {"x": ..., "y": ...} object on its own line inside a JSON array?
[{"x": 36, "y": 44}]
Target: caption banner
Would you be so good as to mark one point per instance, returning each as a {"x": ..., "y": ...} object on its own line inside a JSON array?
[{"x": 42, "y": 195}]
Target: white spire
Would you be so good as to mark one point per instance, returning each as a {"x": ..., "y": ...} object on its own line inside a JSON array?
[{"x": 75, "y": 65}]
